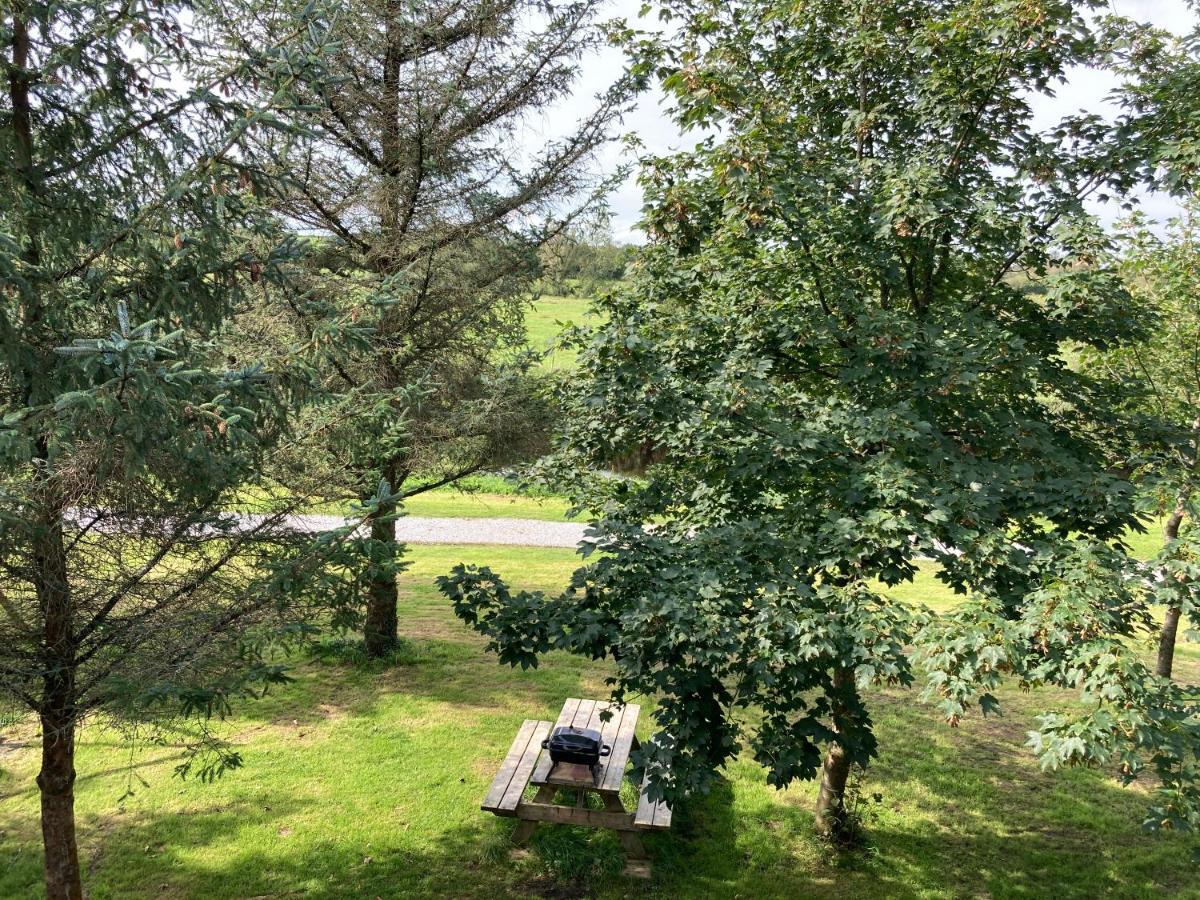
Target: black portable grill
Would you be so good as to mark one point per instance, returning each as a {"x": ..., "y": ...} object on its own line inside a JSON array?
[{"x": 581, "y": 746}]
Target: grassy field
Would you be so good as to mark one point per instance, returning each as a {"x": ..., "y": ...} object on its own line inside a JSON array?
[
  {"x": 487, "y": 497},
  {"x": 367, "y": 784},
  {"x": 477, "y": 496},
  {"x": 546, "y": 320}
]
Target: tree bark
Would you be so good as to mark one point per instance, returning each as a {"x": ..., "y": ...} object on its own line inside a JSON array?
[
  {"x": 391, "y": 142},
  {"x": 831, "y": 819},
  {"x": 56, "y": 781},
  {"x": 1170, "y": 628},
  {"x": 57, "y": 711},
  {"x": 380, "y": 632},
  {"x": 380, "y": 628},
  {"x": 831, "y": 799}
]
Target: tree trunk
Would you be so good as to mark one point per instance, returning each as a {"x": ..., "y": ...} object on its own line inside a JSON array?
[
  {"x": 1166, "y": 643},
  {"x": 1170, "y": 628},
  {"x": 56, "y": 782},
  {"x": 380, "y": 627},
  {"x": 831, "y": 799},
  {"x": 57, "y": 711},
  {"x": 835, "y": 771},
  {"x": 391, "y": 142}
]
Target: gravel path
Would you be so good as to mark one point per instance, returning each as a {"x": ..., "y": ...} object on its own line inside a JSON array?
[
  {"x": 409, "y": 529},
  {"x": 527, "y": 532},
  {"x": 427, "y": 530}
]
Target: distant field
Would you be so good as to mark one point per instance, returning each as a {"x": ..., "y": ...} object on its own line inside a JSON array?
[
  {"x": 454, "y": 504},
  {"x": 477, "y": 496},
  {"x": 546, "y": 321}
]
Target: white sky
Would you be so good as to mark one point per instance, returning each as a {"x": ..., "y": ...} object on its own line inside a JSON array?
[{"x": 1085, "y": 90}]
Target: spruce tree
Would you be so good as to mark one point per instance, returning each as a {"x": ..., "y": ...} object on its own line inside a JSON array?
[
  {"x": 428, "y": 192},
  {"x": 133, "y": 226}
]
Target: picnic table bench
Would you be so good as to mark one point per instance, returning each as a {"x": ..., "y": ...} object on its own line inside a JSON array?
[{"x": 527, "y": 763}]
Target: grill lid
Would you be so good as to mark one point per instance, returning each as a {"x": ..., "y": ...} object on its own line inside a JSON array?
[
  {"x": 579, "y": 740},
  {"x": 576, "y": 745}
]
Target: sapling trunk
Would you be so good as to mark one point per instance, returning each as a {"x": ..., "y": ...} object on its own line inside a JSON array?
[
  {"x": 831, "y": 818},
  {"x": 831, "y": 799},
  {"x": 56, "y": 780},
  {"x": 380, "y": 625},
  {"x": 1170, "y": 628}
]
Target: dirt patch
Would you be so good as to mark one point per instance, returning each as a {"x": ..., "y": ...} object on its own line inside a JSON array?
[{"x": 8, "y": 747}]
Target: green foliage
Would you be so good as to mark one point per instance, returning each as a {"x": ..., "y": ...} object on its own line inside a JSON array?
[
  {"x": 411, "y": 307},
  {"x": 136, "y": 225},
  {"x": 1160, "y": 398},
  {"x": 1161, "y": 114},
  {"x": 824, "y": 347},
  {"x": 132, "y": 208},
  {"x": 1154, "y": 429}
]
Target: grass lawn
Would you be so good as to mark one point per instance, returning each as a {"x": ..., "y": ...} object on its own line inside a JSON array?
[
  {"x": 361, "y": 784},
  {"x": 547, "y": 318},
  {"x": 482, "y": 496},
  {"x": 453, "y": 503}
]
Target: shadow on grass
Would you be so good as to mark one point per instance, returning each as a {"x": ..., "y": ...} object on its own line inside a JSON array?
[
  {"x": 1032, "y": 844},
  {"x": 84, "y": 777},
  {"x": 1007, "y": 833},
  {"x": 191, "y": 856},
  {"x": 454, "y": 672}
]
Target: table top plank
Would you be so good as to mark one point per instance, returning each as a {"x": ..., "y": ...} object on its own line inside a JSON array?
[
  {"x": 622, "y": 746},
  {"x": 651, "y": 814},
  {"x": 524, "y": 768},
  {"x": 527, "y": 742},
  {"x": 594, "y": 722},
  {"x": 608, "y": 735},
  {"x": 583, "y": 713}
]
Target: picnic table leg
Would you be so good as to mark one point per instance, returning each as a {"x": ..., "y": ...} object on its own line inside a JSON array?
[
  {"x": 637, "y": 861},
  {"x": 612, "y": 803},
  {"x": 525, "y": 827}
]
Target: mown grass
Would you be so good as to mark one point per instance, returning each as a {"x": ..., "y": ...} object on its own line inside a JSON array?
[
  {"x": 488, "y": 497},
  {"x": 482, "y": 496},
  {"x": 367, "y": 784},
  {"x": 545, "y": 321}
]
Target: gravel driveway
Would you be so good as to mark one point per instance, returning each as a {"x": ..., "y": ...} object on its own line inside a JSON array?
[
  {"x": 426, "y": 530},
  {"x": 528, "y": 532}
]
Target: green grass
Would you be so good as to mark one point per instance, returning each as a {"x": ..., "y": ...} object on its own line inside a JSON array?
[
  {"x": 488, "y": 497},
  {"x": 361, "y": 784},
  {"x": 1149, "y": 542},
  {"x": 455, "y": 504},
  {"x": 546, "y": 320},
  {"x": 476, "y": 496}
]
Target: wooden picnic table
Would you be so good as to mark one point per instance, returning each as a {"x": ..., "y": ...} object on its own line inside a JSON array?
[{"x": 528, "y": 764}]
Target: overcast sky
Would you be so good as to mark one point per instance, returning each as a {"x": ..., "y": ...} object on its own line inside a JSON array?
[{"x": 1086, "y": 90}]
